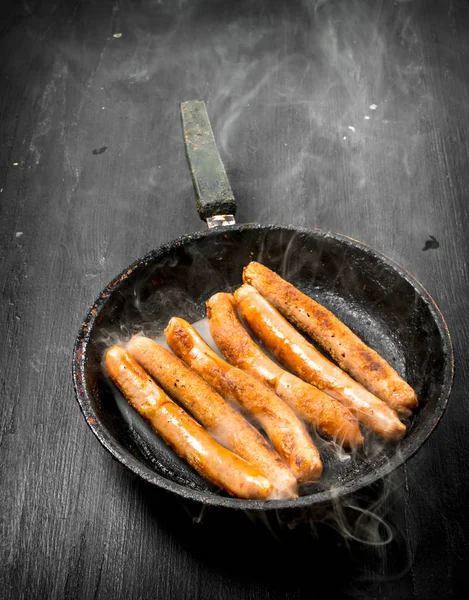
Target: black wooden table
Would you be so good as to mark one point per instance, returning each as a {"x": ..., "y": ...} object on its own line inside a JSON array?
[{"x": 347, "y": 115}]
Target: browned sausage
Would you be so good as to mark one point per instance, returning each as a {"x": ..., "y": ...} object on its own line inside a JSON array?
[
  {"x": 363, "y": 363},
  {"x": 189, "y": 440},
  {"x": 302, "y": 358},
  {"x": 220, "y": 419},
  {"x": 286, "y": 432},
  {"x": 315, "y": 407}
]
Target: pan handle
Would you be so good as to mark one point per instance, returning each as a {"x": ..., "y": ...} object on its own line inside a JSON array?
[{"x": 215, "y": 200}]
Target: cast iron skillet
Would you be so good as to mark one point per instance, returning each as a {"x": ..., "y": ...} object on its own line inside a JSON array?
[{"x": 377, "y": 298}]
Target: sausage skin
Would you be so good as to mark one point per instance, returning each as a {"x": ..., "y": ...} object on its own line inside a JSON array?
[
  {"x": 188, "y": 439},
  {"x": 286, "y": 432},
  {"x": 352, "y": 355},
  {"x": 220, "y": 419},
  {"x": 291, "y": 348},
  {"x": 328, "y": 415}
]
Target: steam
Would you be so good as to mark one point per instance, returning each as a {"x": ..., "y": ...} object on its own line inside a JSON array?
[{"x": 341, "y": 58}]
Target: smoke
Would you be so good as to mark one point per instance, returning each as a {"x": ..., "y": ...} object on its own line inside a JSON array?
[{"x": 340, "y": 59}]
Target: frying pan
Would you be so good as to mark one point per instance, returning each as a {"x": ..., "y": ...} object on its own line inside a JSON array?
[{"x": 378, "y": 299}]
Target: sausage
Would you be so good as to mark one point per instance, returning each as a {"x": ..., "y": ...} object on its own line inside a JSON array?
[
  {"x": 220, "y": 419},
  {"x": 328, "y": 415},
  {"x": 286, "y": 432},
  {"x": 189, "y": 440},
  {"x": 352, "y": 355},
  {"x": 291, "y": 348}
]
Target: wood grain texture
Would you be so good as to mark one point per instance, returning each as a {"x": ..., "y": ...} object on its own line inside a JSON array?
[{"x": 288, "y": 87}]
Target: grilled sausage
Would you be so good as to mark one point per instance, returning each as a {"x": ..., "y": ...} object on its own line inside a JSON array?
[
  {"x": 363, "y": 363},
  {"x": 189, "y": 440},
  {"x": 286, "y": 432},
  {"x": 317, "y": 408},
  {"x": 291, "y": 348},
  {"x": 220, "y": 419}
]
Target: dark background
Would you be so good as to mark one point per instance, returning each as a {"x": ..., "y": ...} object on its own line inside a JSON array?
[{"x": 93, "y": 175}]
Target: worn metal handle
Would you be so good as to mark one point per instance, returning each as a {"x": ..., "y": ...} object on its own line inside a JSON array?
[{"x": 215, "y": 199}]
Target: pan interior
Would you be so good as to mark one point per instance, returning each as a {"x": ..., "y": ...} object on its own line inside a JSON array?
[{"x": 377, "y": 300}]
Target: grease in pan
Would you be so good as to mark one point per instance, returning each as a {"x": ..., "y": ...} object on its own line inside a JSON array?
[{"x": 228, "y": 332}]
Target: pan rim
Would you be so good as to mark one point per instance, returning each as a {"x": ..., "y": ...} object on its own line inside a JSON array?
[{"x": 125, "y": 457}]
